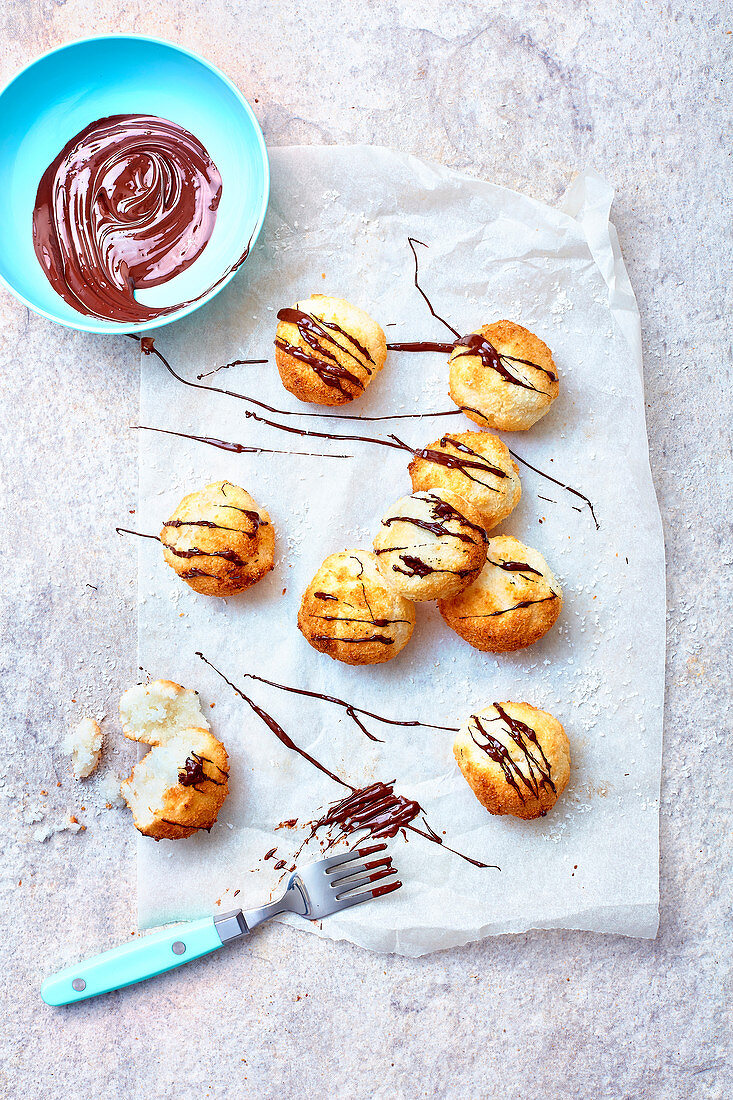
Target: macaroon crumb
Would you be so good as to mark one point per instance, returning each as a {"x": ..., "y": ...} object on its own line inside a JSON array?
[{"x": 83, "y": 744}]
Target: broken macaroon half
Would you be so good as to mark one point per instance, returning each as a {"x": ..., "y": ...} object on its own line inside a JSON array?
[{"x": 179, "y": 786}]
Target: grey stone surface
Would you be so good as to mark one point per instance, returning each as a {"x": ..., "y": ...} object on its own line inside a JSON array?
[{"x": 523, "y": 94}]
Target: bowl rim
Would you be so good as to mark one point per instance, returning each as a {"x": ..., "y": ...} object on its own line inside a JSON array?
[{"x": 109, "y": 327}]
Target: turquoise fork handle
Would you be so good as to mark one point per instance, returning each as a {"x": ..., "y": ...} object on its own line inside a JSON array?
[{"x": 133, "y": 962}]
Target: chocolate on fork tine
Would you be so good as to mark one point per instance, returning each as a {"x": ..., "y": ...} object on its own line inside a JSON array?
[{"x": 343, "y": 874}]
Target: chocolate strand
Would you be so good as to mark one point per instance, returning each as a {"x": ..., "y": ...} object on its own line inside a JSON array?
[
  {"x": 381, "y": 813},
  {"x": 140, "y": 534},
  {"x": 276, "y": 728},
  {"x": 516, "y": 607},
  {"x": 412, "y": 241},
  {"x": 226, "y": 366},
  {"x": 422, "y": 345},
  {"x": 375, "y": 809},
  {"x": 238, "y": 448},
  {"x": 539, "y": 770},
  {"x": 149, "y": 348},
  {"x": 350, "y": 708},
  {"x": 562, "y": 485}
]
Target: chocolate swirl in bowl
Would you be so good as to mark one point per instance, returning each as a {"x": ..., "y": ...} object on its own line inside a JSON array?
[{"x": 128, "y": 204}]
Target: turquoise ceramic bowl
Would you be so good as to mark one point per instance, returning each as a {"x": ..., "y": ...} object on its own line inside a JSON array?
[{"x": 62, "y": 92}]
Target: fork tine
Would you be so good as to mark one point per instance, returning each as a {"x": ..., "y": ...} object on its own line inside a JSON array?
[
  {"x": 332, "y": 862},
  {"x": 367, "y": 895},
  {"x": 354, "y": 884},
  {"x": 346, "y": 871}
]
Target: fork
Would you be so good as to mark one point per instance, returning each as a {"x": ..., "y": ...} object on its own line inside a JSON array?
[{"x": 317, "y": 890}]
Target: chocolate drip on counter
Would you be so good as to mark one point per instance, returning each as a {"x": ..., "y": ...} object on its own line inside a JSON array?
[
  {"x": 276, "y": 727},
  {"x": 226, "y": 366},
  {"x": 516, "y": 607},
  {"x": 375, "y": 809},
  {"x": 561, "y": 484},
  {"x": 538, "y": 767},
  {"x": 351, "y": 709},
  {"x": 129, "y": 203},
  {"x": 237, "y": 448},
  {"x": 325, "y": 435},
  {"x": 515, "y": 567}
]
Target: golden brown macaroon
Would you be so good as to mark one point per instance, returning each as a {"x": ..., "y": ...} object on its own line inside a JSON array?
[
  {"x": 476, "y": 466},
  {"x": 511, "y": 604},
  {"x": 430, "y": 545},
  {"x": 328, "y": 351},
  {"x": 349, "y": 612},
  {"x": 515, "y": 758},
  {"x": 219, "y": 541},
  {"x": 179, "y": 786},
  {"x": 503, "y": 376}
]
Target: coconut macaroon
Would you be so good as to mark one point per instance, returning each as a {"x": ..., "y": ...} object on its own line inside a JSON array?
[
  {"x": 511, "y": 604},
  {"x": 348, "y": 611},
  {"x": 503, "y": 376},
  {"x": 180, "y": 785},
  {"x": 515, "y": 758},
  {"x": 476, "y": 466},
  {"x": 431, "y": 545},
  {"x": 328, "y": 351},
  {"x": 154, "y": 712},
  {"x": 218, "y": 540},
  {"x": 83, "y": 744}
]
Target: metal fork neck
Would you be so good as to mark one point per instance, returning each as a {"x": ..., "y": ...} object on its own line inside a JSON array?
[{"x": 254, "y": 917}]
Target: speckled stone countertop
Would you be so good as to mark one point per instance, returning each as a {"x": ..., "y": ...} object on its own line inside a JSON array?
[{"x": 523, "y": 95}]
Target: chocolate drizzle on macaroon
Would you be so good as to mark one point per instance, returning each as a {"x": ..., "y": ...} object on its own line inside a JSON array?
[
  {"x": 538, "y": 770},
  {"x": 321, "y": 358}
]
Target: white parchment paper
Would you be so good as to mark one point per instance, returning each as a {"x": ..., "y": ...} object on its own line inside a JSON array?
[{"x": 338, "y": 223}]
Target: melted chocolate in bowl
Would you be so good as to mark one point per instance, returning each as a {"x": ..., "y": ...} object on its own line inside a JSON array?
[{"x": 129, "y": 203}]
